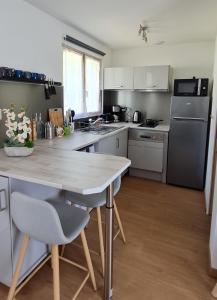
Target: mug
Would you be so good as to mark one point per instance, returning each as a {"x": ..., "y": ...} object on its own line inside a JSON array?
[
  {"x": 19, "y": 74},
  {"x": 60, "y": 131}
]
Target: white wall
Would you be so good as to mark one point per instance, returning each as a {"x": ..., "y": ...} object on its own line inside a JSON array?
[
  {"x": 186, "y": 60},
  {"x": 212, "y": 139},
  {"x": 213, "y": 231},
  {"x": 32, "y": 40}
]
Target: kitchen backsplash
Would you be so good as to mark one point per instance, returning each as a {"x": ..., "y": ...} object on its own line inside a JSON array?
[
  {"x": 29, "y": 96},
  {"x": 152, "y": 105}
]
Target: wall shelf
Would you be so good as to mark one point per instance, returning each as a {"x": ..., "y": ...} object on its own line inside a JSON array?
[{"x": 22, "y": 80}]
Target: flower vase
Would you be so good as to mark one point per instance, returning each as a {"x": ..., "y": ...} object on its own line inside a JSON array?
[{"x": 18, "y": 151}]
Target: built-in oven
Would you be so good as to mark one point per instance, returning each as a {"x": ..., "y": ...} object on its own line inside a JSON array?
[{"x": 191, "y": 87}]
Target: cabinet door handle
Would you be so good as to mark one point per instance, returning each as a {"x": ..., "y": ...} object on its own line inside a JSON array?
[
  {"x": 145, "y": 136},
  {"x": 3, "y": 204},
  {"x": 117, "y": 143}
]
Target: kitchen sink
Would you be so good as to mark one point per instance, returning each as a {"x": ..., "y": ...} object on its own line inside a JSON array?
[{"x": 100, "y": 129}]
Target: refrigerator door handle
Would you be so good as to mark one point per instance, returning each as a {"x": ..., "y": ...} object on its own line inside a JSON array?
[
  {"x": 3, "y": 203},
  {"x": 189, "y": 119}
]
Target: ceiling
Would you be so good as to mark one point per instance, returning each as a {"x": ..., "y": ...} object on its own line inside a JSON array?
[{"x": 116, "y": 22}]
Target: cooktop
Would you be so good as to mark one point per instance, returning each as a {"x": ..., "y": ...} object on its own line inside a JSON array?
[{"x": 149, "y": 126}]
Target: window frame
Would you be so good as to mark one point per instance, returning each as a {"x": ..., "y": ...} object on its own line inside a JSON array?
[{"x": 96, "y": 57}]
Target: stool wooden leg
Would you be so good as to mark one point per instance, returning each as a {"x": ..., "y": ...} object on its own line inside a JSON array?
[
  {"x": 62, "y": 250},
  {"x": 101, "y": 241},
  {"x": 214, "y": 291},
  {"x": 18, "y": 267},
  {"x": 88, "y": 259},
  {"x": 56, "y": 276},
  {"x": 119, "y": 222}
]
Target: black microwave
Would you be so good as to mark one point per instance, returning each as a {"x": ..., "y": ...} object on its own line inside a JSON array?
[{"x": 191, "y": 87}]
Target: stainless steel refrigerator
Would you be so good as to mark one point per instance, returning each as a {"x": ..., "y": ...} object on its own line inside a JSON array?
[{"x": 188, "y": 141}]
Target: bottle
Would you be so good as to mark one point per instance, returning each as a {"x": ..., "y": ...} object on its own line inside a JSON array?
[
  {"x": 34, "y": 130},
  {"x": 40, "y": 128}
]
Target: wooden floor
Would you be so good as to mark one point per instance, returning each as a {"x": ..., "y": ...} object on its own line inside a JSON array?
[{"x": 165, "y": 258}]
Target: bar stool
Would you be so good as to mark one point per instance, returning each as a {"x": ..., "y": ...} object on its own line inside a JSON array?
[
  {"x": 97, "y": 201},
  {"x": 54, "y": 223}
]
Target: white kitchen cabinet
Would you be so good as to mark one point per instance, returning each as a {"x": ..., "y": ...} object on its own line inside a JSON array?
[
  {"x": 115, "y": 144},
  {"x": 122, "y": 143},
  {"x": 107, "y": 145},
  {"x": 118, "y": 78},
  {"x": 5, "y": 233},
  {"x": 151, "y": 78}
]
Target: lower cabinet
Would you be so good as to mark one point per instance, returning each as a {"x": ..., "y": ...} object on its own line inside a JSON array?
[
  {"x": 115, "y": 144},
  {"x": 6, "y": 268}
]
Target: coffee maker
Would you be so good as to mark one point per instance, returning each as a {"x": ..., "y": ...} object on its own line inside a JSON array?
[
  {"x": 116, "y": 112},
  {"x": 119, "y": 113}
]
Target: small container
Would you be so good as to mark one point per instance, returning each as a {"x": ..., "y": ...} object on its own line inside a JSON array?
[
  {"x": 34, "y": 129},
  {"x": 41, "y": 77},
  {"x": 49, "y": 131},
  {"x": 35, "y": 76},
  {"x": 19, "y": 74},
  {"x": 27, "y": 75}
]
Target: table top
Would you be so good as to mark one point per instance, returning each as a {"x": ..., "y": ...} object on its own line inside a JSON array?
[{"x": 84, "y": 173}]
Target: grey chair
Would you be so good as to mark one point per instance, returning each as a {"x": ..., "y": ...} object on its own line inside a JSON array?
[
  {"x": 97, "y": 201},
  {"x": 52, "y": 222}
]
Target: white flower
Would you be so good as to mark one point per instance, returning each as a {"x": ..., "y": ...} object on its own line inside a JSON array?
[
  {"x": 24, "y": 135},
  {"x": 21, "y": 114},
  {"x": 24, "y": 127},
  {"x": 13, "y": 126},
  {"x": 20, "y": 138},
  {"x": 13, "y": 116},
  {"x": 10, "y": 133},
  {"x": 20, "y": 126},
  {"x": 28, "y": 130},
  {"x": 8, "y": 123},
  {"x": 26, "y": 120}
]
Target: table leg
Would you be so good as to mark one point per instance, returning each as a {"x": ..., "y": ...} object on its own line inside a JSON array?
[{"x": 108, "y": 244}]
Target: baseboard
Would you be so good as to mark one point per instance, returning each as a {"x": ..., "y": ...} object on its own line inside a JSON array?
[
  {"x": 145, "y": 174},
  {"x": 211, "y": 271}
]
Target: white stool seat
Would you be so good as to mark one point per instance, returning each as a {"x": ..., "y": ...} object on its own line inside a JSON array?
[{"x": 94, "y": 200}]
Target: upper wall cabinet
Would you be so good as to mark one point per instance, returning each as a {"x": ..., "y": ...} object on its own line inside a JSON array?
[
  {"x": 118, "y": 78},
  {"x": 151, "y": 78}
]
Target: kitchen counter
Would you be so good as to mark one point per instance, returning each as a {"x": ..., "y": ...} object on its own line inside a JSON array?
[
  {"x": 161, "y": 127},
  {"x": 76, "y": 140},
  {"x": 79, "y": 139},
  {"x": 79, "y": 172}
]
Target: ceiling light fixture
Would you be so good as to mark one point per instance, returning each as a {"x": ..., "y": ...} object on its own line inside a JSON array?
[{"x": 143, "y": 31}]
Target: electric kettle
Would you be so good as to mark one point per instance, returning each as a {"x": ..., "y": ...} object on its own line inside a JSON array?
[{"x": 137, "y": 117}]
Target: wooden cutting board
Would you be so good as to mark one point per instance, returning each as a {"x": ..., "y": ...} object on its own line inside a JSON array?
[{"x": 56, "y": 116}]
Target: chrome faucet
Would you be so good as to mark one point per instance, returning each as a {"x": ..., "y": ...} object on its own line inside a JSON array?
[{"x": 96, "y": 122}]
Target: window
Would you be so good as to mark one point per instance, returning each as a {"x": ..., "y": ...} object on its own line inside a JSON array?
[{"x": 81, "y": 80}]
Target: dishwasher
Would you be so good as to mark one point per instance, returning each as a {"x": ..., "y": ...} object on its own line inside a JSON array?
[{"x": 146, "y": 150}]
